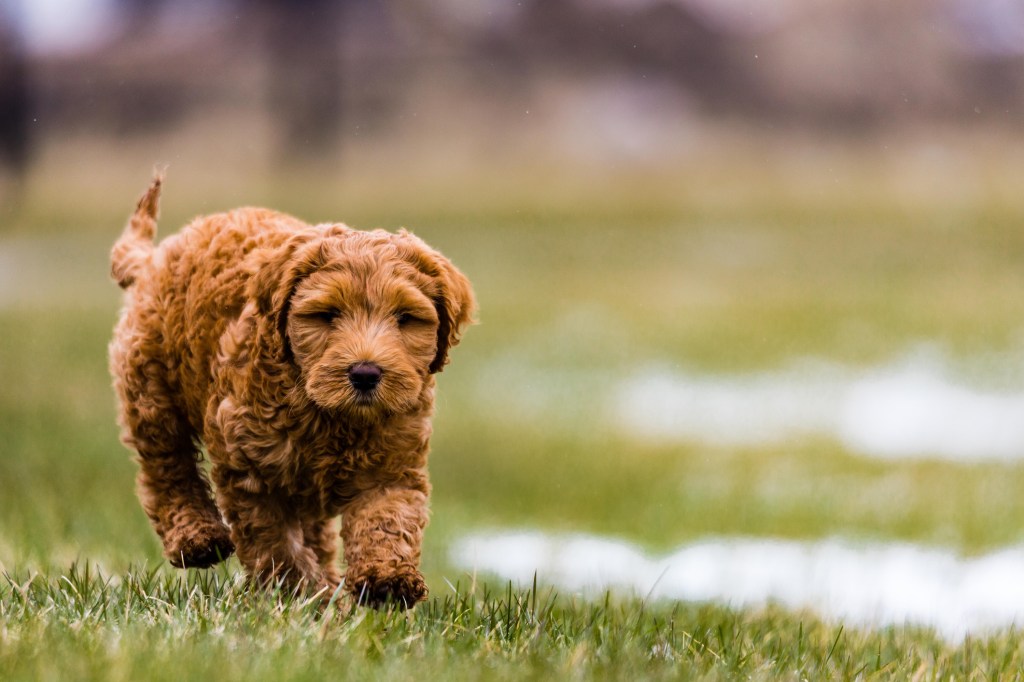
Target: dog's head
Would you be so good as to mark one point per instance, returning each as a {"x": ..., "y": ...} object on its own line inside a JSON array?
[{"x": 366, "y": 317}]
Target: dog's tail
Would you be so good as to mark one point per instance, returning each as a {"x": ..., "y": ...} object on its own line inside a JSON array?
[{"x": 133, "y": 252}]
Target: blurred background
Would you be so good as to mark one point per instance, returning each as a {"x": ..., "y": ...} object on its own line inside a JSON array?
[{"x": 745, "y": 269}]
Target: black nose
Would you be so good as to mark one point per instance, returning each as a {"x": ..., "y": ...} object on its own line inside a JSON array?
[{"x": 364, "y": 376}]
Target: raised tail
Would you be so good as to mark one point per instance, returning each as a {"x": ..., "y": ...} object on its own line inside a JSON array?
[{"x": 133, "y": 251}]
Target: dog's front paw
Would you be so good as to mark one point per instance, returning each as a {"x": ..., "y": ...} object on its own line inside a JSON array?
[
  {"x": 199, "y": 545},
  {"x": 376, "y": 589}
]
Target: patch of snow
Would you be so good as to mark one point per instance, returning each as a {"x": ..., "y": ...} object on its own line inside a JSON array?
[
  {"x": 860, "y": 584},
  {"x": 911, "y": 409}
]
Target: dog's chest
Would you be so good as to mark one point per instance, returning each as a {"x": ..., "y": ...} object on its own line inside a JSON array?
[{"x": 338, "y": 466}]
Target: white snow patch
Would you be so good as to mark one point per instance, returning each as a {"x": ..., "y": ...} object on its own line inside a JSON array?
[
  {"x": 910, "y": 409},
  {"x": 860, "y": 584}
]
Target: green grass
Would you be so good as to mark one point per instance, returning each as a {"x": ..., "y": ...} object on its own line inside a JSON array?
[
  {"x": 145, "y": 624},
  {"x": 724, "y": 265}
]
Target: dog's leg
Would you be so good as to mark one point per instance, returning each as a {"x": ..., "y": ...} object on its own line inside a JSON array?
[
  {"x": 270, "y": 542},
  {"x": 321, "y": 535},
  {"x": 172, "y": 489},
  {"x": 177, "y": 500},
  {"x": 382, "y": 530},
  {"x": 268, "y": 532}
]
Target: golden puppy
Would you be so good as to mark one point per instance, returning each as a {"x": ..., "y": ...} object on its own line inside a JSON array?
[{"x": 302, "y": 357}]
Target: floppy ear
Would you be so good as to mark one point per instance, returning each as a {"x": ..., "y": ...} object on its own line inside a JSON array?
[
  {"x": 451, "y": 292},
  {"x": 274, "y": 280},
  {"x": 456, "y": 306}
]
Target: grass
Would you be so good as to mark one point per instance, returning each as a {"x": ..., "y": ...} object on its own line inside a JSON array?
[
  {"x": 719, "y": 266},
  {"x": 145, "y": 624}
]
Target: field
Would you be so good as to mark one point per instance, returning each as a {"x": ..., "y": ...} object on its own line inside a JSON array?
[{"x": 733, "y": 265}]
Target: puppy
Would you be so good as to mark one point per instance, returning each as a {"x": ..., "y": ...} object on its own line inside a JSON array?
[{"x": 303, "y": 358}]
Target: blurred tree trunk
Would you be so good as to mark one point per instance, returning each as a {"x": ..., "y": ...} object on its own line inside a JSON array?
[
  {"x": 15, "y": 104},
  {"x": 305, "y": 75}
]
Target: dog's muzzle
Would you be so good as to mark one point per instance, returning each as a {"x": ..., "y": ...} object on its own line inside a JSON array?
[{"x": 364, "y": 376}]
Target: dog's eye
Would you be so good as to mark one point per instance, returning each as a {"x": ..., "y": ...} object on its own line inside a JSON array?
[
  {"x": 324, "y": 316},
  {"x": 405, "y": 318}
]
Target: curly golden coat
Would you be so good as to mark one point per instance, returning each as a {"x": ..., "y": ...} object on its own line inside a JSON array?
[{"x": 302, "y": 357}]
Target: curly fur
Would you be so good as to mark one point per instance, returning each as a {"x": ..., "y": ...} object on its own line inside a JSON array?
[{"x": 241, "y": 334}]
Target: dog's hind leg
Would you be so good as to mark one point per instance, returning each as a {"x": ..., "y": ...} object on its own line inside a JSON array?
[{"x": 172, "y": 488}]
